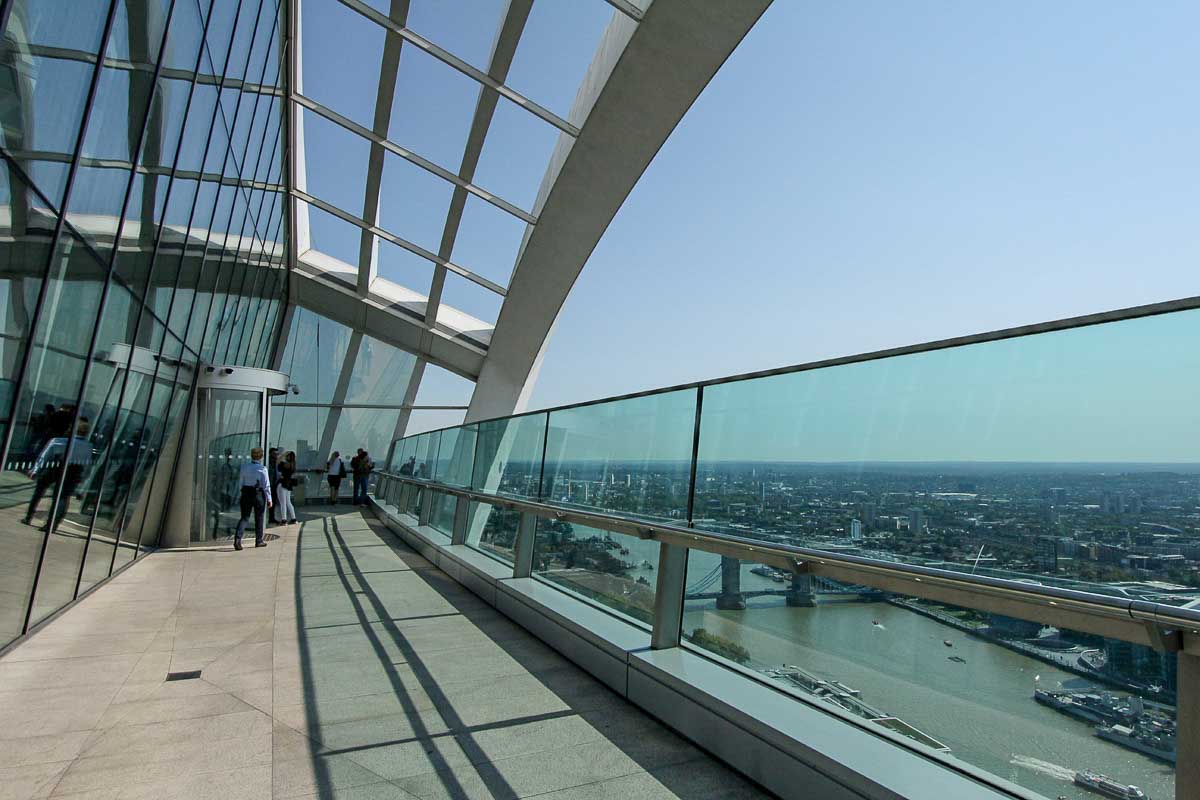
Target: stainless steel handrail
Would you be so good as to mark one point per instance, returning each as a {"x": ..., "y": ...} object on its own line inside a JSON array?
[{"x": 1143, "y": 622}]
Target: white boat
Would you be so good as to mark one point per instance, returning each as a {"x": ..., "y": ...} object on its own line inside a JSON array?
[{"x": 1102, "y": 784}]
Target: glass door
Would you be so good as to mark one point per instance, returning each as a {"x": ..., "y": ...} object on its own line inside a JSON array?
[{"x": 231, "y": 422}]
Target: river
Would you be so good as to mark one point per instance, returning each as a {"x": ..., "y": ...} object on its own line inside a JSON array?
[{"x": 982, "y": 710}]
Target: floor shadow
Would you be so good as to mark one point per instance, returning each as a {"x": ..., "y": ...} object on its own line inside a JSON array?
[{"x": 344, "y": 538}]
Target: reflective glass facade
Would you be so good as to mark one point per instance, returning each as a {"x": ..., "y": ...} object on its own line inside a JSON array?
[{"x": 142, "y": 217}]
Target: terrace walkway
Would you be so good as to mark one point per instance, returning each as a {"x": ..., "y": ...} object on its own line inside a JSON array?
[{"x": 335, "y": 663}]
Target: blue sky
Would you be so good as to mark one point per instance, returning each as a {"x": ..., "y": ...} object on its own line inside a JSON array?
[
  {"x": 857, "y": 176},
  {"x": 866, "y": 175}
]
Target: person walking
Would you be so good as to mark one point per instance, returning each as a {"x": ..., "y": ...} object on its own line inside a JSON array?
[
  {"x": 45, "y": 472},
  {"x": 335, "y": 470},
  {"x": 287, "y": 483},
  {"x": 273, "y": 473},
  {"x": 363, "y": 468},
  {"x": 256, "y": 497}
]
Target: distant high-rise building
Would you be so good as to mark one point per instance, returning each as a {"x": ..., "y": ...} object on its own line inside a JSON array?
[
  {"x": 856, "y": 529},
  {"x": 916, "y": 520},
  {"x": 1058, "y": 495},
  {"x": 867, "y": 512},
  {"x": 1047, "y": 554}
]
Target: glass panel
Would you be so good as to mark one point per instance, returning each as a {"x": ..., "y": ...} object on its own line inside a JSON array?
[
  {"x": 456, "y": 456},
  {"x": 47, "y": 95},
  {"x": 492, "y": 530},
  {"x": 22, "y": 264},
  {"x": 1016, "y": 458},
  {"x": 413, "y": 202},
  {"x": 515, "y": 154},
  {"x": 117, "y": 397},
  {"x": 508, "y": 457},
  {"x": 43, "y": 418},
  {"x": 446, "y": 101},
  {"x": 380, "y": 374},
  {"x": 441, "y": 387},
  {"x": 339, "y": 180},
  {"x": 139, "y": 527},
  {"x": 298, "y": 430},
  {"x": 341, "y": 241},
  {"x": 990, "y": 690},
  {"x": 427, "y": 420},
  {"x": 466, "y": 29},
  {"x": 235, "y": 423},
  {"x": 614, "y": 570},
  {"x": 443, "y": 513},
  {"x": 488, "y": 240},
  {"x": 479, "y": 303},
  {"x": 631, "y": 457},
  {"x": 403, "y": 267},
  {"x": 316, "y": 349},
  {"x": 370, "y": 429},
  {"x": 556, "y": 48},
  {"x": 325, "y": 28}
]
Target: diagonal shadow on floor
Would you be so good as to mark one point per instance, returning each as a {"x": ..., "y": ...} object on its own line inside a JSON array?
[{"x": 401, "y": 683}]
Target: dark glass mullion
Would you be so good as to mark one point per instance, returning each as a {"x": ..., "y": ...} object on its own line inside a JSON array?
[
  {"x": 260, "y": 236},
  {"x": 27, "y": 356},
  {"x": 263, "y": 292},
  {"x": 39, "y": 307},
  {"x": 228, "y": 332},
  {"x": 200, "y": 269},
  {"x": 100, "y": 312},
  {"x": 204, "y": 157},
  {"x": 256, "y": 286},
  {"x": 268, "y": 296}
]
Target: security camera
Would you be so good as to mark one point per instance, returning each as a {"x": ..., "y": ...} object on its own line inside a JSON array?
[
  {"x": 227, "y": 371},
  {"x": 293, "y": 388}
]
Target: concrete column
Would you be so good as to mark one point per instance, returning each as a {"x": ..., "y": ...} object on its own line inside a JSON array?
[
  {"x": 802, "y": 593},
  {"x": 461, "y": 506},
  {"x": 426, "y": 512},
  {"x": 523, "y": 549},
  {"x": 668, "y": 596},
  {"x": 731, "y": 598}
]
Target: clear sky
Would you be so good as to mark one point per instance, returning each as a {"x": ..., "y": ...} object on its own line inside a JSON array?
[
  {"x": 866, "y": 175},
  {"x": 857, "y": 176}
]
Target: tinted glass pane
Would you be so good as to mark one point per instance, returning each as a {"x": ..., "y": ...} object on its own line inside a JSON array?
[
  {"x": 1017, "y": 457},
  {"x": 492, "y": 530},
  {"x": 629, "y": 456},
  {"x": 508, "y": 456},
  {"x": 614, "y": 570},
  {"x": 1022, "y": 700}
]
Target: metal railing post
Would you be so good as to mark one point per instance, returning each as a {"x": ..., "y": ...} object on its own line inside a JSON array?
[
  {"x": 426, "y": 511},
  {"x": 523, "y": 547},
  {"x": 668, "y": 596},
  {"x": 461, "y": 506},
  {"x": 1187, "y": 731}
]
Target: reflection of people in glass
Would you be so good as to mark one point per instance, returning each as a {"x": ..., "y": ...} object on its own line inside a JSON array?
[
  {"x": 407, "y": 467},
  {"x": 45, "y": 471},
  {"x": 254, "y": 485}
]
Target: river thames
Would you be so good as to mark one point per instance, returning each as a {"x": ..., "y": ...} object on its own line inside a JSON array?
[{"x": 983, "y": 710}]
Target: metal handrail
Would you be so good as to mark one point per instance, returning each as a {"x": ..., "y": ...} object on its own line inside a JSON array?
[{"x": 1158, "y": 625}]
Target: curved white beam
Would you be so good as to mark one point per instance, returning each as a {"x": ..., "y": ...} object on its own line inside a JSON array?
[{"x": 644, "y": 77}]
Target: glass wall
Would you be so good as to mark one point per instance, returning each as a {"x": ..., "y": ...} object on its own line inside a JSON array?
[
  {"x": 349, "y": 394},
  {"x": 1064, "y": 459},
  {"x": 141, "y": 227}
]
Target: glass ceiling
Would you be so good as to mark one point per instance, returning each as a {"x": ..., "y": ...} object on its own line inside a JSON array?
[{"x": 424, "y": 137}]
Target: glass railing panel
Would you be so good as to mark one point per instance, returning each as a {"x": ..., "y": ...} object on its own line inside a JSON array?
[
  {"x": 1028, "y": 703},
  {"x": 443, "y": 513},
  {"x": 404, "y": 455},
  {"x": 508, "y": 456},
  {"x": 1068, "y": 457},
  {"x": 427, "y": 454},
  {"x": 630, "y": 457},
  {"x": 614, "y": 570},
  {"x": 456, "y": 456},
  {"x": 492, "y": 530}
]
